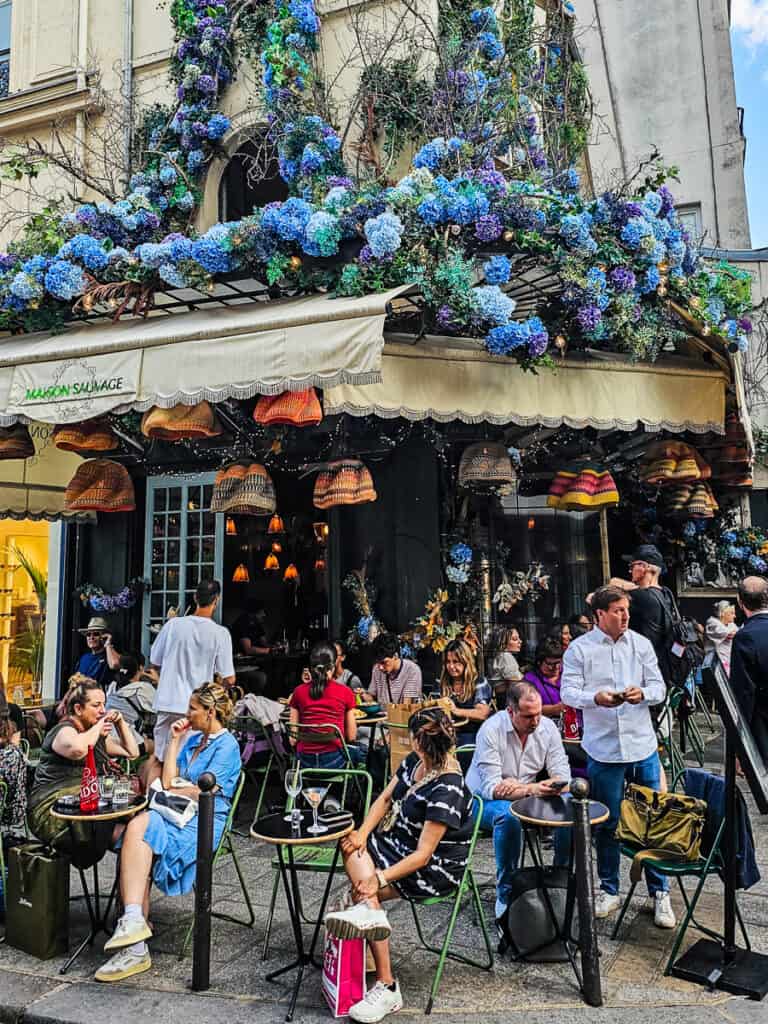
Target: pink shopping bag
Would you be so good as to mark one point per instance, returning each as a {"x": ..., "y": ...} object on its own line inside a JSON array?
[{"x": 343, "y": 973}]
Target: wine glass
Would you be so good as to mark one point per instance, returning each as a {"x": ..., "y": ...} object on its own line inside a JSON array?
[
  {"x": 292, "y": 783},
  {"x": 314, "y": 794}
]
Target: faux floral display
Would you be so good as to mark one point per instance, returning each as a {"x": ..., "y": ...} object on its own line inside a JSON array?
[
  {"x": 525, "y": 584},
  {"x": 460, "y": 564},
  {"x": 98, "y": 600},
  {"x": 432, "y": 631},
  {"x": 720, "y": 553},
  {"x": 363, "y": 594}
]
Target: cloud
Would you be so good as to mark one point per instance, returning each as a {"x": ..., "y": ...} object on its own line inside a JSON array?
[{"x": 750, "y": 18}]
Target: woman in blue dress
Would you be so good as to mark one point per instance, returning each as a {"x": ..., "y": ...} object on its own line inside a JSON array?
[{"x": 199, "y": 743}]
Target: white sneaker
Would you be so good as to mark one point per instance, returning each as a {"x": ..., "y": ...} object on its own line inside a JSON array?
[
  {"x": 124, "y": 964},
  {"x": 663, "y": 914},
  {"x": 129, "y": 930},
  {"x": 377, "y": 1003},
  {"x": 361, "y": 922},
  {"x": 606, "y": 903}
]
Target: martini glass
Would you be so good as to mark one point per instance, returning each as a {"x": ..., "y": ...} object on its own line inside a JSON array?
[{"x": 314, "y": 795}]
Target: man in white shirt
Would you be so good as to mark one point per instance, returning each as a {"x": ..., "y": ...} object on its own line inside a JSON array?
[
  {"x": 187, "y": 652},
  {"x": 513, "y": 747},
  {"x": 612, "y": 675}
]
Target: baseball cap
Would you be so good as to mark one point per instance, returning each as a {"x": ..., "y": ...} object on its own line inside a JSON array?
[{"x": 646, "y": 553}]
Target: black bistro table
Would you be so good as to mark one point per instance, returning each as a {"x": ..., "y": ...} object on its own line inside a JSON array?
[
  {"x": 536, "y": 812},
  {"x": 279, "y": 833},
  {"x": 71, "y": 813}
]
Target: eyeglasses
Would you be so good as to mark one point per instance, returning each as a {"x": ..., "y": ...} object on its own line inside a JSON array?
[{"x": 97, "y": 635}]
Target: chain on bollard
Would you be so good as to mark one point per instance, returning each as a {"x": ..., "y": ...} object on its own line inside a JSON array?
[
  {"x": 585, "y": 895},
  {"x": 201, "y": 949}
]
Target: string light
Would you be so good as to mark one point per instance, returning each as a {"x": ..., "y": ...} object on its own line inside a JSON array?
[
  {"x": 241, "y": 574},
  {"x": 230, "y": 528}
]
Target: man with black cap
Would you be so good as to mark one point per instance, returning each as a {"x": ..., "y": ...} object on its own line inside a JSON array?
[{"x": 651, "y": 608}]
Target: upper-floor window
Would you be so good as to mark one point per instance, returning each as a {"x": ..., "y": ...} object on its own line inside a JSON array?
[
  {"x": 690, "y": 218},
  {"x": 251, "y": 180},
  {"x": 5, "y": 45}
]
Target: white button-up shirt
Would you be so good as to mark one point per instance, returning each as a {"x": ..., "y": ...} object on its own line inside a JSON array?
[
  {"x": 593, "y": 662},
  {"x": 500, "y": 754}
]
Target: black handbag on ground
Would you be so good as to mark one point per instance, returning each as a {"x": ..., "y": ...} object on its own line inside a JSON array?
[
  {"x": 37, "y": 901},
  {"x": 526, "y": 929}
]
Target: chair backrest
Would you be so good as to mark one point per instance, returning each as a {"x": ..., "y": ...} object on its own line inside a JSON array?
[
  {"x": 228, "y": 824},
  {"x": 323, "y": 732},
  {"x": 359, "y": 778},
  {"x": 249, "y": 725}
]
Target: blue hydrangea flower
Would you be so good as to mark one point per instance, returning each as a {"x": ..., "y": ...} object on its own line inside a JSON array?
[
  {"x": 500, "y": 341},
  {"x": 287, "y": 220},
  {"x": 457, "y": 574},
  {"x": 363, "y": 626},
  {"x": 460, "y": 553},
  {"x": 497, "y": 270},
  {"x": 311, "y": 159},
  {"x": 218, "y": 126},
  {"x": 492, "y": 305},
  {"x": 26, "y": 287},
  {"x": 211, "y": 256},
  {"x": 322, "y": 234},
  {"x": 36, "y": 266},
  {"x": 490, "y": 46},
  {"x": 384, "y": 234},
  {"x": 87, "y": 250},
  {"x": 65, "y": 280},
  {"x": 173, "y": 276},
  {"x": 634, "y": 231},
  {"x": 168, "y": 175},
  {"x": 195, "y": 160},
  {"x": 304, "y": 13},
  {"x": 431, "y": 210},
  {"x": 431, "y": 154}
]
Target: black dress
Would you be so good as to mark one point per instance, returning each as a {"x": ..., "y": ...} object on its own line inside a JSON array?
[{"x": 445, "y": 800}]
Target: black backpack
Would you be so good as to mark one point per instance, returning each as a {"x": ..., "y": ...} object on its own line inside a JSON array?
[
  {"x": 526, "y": 929},
  {"x": 684, "y": 649}
]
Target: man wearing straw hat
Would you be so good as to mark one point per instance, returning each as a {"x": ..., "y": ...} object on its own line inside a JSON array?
[{"x": 101, "y": 659}]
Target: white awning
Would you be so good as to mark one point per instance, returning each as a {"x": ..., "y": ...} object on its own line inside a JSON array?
[
  {"x": 441, "y": 383},
  {"x": 210, "y": 354},
  {"x": 34, "y": 488}
]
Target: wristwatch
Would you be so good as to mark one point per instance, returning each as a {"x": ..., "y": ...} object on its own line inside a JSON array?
[{"x": 383, "y": 883}]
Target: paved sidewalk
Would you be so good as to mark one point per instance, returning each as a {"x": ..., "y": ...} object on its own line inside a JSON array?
[{"x": 632, "y": 967}]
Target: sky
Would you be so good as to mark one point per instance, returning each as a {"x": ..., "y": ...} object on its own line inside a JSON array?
[{"x": 749, "y": 30}]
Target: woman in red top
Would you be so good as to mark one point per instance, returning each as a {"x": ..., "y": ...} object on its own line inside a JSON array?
[{"x": 323, "y": 701}]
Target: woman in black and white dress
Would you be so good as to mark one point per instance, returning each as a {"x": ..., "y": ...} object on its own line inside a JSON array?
[{"x": 413, "y": 843}]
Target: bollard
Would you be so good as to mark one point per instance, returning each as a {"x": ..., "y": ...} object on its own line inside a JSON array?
[
  {"x": 201, "y": 948},
  {"x": 585, "y": 895}
]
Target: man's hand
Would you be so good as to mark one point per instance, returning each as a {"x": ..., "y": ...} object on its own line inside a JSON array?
[
  {"x": 634, "y": 695},
  {"x": 505, "y": 790},
  {"x": 546, "y": 788},
  {"x": 608, "y": 699}
]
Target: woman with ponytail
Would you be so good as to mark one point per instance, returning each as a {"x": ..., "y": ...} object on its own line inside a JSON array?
[
  {"x": 321, "y": 701},
  {"x": 133, "y": 695},
  {"x": 414, "y": 843}
]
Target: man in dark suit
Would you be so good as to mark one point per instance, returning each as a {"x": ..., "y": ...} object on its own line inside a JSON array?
[{"x": 749, "y": 659}]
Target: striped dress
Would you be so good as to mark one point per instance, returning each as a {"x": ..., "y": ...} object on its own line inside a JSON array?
[{"x": 445, "y": 800}]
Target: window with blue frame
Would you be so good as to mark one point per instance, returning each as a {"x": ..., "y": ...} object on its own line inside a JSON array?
[{"x": 5, "y": 45}]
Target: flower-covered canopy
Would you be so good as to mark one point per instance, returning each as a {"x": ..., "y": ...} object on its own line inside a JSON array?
[{"x": 489, "y": 190}]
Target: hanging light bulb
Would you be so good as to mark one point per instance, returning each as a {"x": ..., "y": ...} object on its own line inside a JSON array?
[
  {"x": 241, "y": 574},
  {"x": 319, "y": 565},
  {"x": 229, "y": 527},
  {"x": 321, "y": 532},
  {"x": 291, "y": 574},
  {"x": 277, "y": 547},
  {"x": 531, "y": 523},
  {"x": 276, "y": 524},
  {"x": 271, "y": 563}
]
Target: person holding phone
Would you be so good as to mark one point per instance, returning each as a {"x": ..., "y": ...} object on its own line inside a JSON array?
[
  {"x": 612, "y": 675},
  {"x": 102, "y": 660},
  {"x": 513, "y": 747}
]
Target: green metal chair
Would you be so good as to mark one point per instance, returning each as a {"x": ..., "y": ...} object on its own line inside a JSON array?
[
  {"x": 254, "y": 733},
  {"x": 318, "y": 859},
  {"x": 466, "y": 888},
  {"x": 701, "y": 869},
  {"x": 226, "y": 848}
]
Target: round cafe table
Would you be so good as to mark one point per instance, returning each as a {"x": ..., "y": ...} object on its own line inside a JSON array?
[
  {"x": 533, "y": 813},
  {"x": 71, "y": 813},
  {"x": 279, "y": 833}
]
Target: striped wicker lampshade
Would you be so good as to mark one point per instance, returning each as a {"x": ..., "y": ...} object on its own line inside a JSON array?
[
  {"x": 669, "y": 462},
  {"x": 291, "y": 408},
  {"x": 15, "y": 442},
  {"x": 100, "y": 485},
  {"x": 486, "y": 464},
  {"x": 182, "y": 422},
  {"x": 90, "y": 436},
  {"x": 582, "y": 488},
  {"x": 344, "y": 482},
  {"x": 244, "y": 489}
]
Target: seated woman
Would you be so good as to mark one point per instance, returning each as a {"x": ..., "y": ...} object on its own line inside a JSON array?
[
  {"x": 199, "y": 743},
  {"x": 545, "y": 676},
  {"x": 87, "y": 723},
  {"x": 505, "y": 669},
  {"x": 323, "y": 701},
  {"x": 13, "y": 772},
  {"x": 414, "y": 843},
  {"x": 469, "y": 693},
  {"x": 133, "y": 696},
  {"x": 345, "y": 676}
]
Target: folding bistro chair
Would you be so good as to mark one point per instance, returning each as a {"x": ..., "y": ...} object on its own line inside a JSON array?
[
  {"x": 708, "y": 864},
  {"x": 467, "y": 887},
  {"x": 321, "y": 733},
  {"x": 318, "y": 859},
  {"x": 257, "y": 740},
  {"x": 226, "y": 848}
]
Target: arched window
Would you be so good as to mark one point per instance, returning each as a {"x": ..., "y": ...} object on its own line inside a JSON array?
[{"x": 251, "y": 180}]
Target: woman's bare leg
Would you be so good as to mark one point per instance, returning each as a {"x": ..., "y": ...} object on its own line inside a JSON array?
[
  {"x": 360, "y": 867},
  {"x": 135, "y": 864}
]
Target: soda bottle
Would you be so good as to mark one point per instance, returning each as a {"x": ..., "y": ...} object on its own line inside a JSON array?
[{"x": 89, "y": 784}]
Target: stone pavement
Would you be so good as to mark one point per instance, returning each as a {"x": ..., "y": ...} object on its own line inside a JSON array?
[{"x": 632, "y": 967}]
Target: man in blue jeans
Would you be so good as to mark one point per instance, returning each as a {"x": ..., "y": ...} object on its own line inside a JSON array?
[
  {"x": 612, "y": 674},
  {"x": 513, "y": 747}
]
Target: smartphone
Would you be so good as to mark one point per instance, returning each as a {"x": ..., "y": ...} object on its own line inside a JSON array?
[{"x": 558, "y": 785}]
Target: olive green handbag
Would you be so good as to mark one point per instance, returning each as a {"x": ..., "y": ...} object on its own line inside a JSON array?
[
  {"x": 37, "y": 901},
  {"x": 666, "y": 826}
]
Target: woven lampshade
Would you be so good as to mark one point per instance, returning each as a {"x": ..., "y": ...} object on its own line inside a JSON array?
[
  {"x": 344, "y": 482},
  {"x": 15, "y": 442},
  {"x": 690, "y": 501},
  {"x": 192, "y": 422},
  {"x": 90, "y": 436},
  {"x": 485, "y": 464},
  {"x": 245, "y": 489},
  {"x": 669, "y": 462},
  {"x": 582, "y": 487},
  {"x": 291, "y": 408},
  {"x": 100, "y": 485}
]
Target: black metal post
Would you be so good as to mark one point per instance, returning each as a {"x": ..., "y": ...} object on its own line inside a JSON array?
[
  {"x": 591, "y": 988},
  {"x": 201, "y": 949},
  {"x": 729, "y": 852}
]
